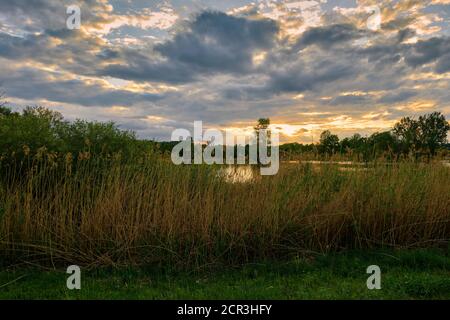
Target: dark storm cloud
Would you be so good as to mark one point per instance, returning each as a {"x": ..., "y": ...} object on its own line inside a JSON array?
[
  {"x": 217, "y": 41},
  {"x": 209, "y": 60},
  {"x": 405, "y": 34},
  {"x": 349, "y": 100},
  {"x": 245, "y": 93},
  {"x": 397, "y": 96},
  {"x": 383, "y": 53},
  {"x": 13, "y": 47},
  {"x": 433, "y": 51},
  {"x": 214, "y": 43},
  {"x": 349, "y": 67},
  {"x": 108, "y": 54},
  {"x": 328, "y": 36},
  {"x": 173, "y": 73},
  {"x": 68, "y": 49},
  {"x": 31, "y": 84},
  {"x": 44, "y": 14},
  {"x": 299, "y": 78},
  {"x": 443, "y": 65},
  {"x": 427, "y": 51}
]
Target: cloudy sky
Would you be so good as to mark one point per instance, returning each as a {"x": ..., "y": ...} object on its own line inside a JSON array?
[{"x": 153, "y": 66}]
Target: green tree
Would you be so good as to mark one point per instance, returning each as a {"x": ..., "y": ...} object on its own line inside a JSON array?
[
  {"x": 426, "y": 134},
  {"x": 433, "y": 131},
  {"x": 4, "y": 110},
  {"x": 407, "y": 130},
  {"x": 96, "y": 138},
  {"x": 383, "y": 143},
  {"x": 353, "y": 145},
  {"x": 33, "y": 129},
  {"x": 329, "y": 143},
  {"x": 263, "y": 124}
]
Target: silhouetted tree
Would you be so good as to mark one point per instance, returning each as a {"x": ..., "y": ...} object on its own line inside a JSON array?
[
  {"x": 426, "y": 134},
  {"x": 407, "y": 131},
  {"x": 263, "y": 124},
  {"x": 383, "y": 143},
  {"x": 329, "y": 143},
  {"x": 433, "y": 131}
]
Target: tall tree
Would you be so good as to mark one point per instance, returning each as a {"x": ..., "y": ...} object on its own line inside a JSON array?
[
  {"x": 329, "y": 143},
  {"x": 383, "y": 143},
  {"x": 433, "y": 131},
  {"x": 263, "y": 124},
  {"x": 428, "y": 133},
  {"x": 407, "y": 130}
]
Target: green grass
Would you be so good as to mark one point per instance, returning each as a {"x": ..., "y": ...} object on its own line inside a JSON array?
[{"x": 416, "y": 274}]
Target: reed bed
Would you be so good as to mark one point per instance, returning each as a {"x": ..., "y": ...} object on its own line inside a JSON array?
[{"x": 97, "y": 212}]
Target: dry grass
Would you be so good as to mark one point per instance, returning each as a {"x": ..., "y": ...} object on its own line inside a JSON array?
[{"x": 155, "y": 212}]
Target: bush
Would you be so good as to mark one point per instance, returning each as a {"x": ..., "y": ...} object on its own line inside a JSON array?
[{"x": 37, "y": 129}]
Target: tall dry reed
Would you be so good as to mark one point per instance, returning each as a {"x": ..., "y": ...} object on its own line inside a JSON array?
[{"x": 109, "y": 213}]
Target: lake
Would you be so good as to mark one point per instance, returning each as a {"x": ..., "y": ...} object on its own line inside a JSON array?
[{"x": 247, "y": 173}]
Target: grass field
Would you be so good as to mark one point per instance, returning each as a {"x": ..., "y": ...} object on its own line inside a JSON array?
[
  {"x": 415, "y": 274},
  {"x": 152, "y": 230},
  {"x": 154, "y": 212}
]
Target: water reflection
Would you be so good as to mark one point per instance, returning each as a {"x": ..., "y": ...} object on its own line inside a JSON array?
[
  {"x": 342, "y": 163},
  {"x": 247, "y": 173}
]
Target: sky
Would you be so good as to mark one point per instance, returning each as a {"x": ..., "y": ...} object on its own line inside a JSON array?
[{"x": 155, "y": 66}]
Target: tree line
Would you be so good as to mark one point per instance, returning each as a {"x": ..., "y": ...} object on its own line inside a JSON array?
[
  {"x": 38, "y": 129},
  {"x": 409, "y": 138}
]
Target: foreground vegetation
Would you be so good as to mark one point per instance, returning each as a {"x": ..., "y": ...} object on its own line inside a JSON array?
[
  {"x": 91, "y": 194},
  {"x": 416, "y": 274},
  {"x": 112, "y": 213}
]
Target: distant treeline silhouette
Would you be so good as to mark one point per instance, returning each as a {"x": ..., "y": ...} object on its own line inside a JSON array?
[
  {"x": 409, "y": 138},
  {"x": 38, "y": 129}
]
